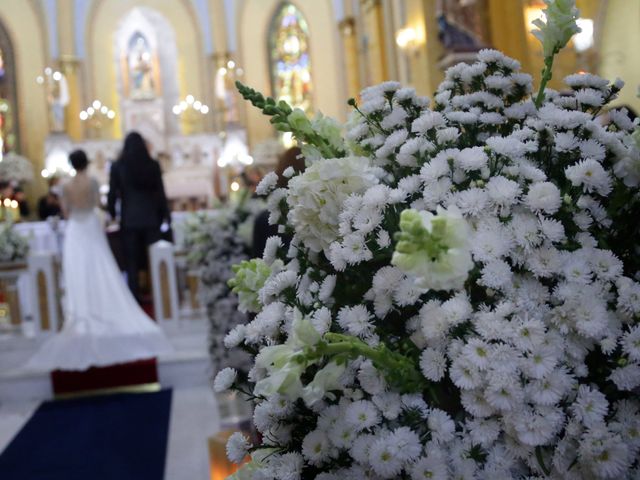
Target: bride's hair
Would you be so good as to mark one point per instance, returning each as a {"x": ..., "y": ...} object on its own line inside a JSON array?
[
  {"x": 137, "y": 162},
  {"x": 78, "y": 160}
]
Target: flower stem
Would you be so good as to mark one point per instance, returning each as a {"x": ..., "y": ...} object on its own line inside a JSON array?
[
  {"x": 545, "y": 470},
  {"x": 398, "y": 369},
  {"x": 547, "y": 73}
]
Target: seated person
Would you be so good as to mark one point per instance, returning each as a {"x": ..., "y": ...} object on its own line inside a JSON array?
[{"x": 49, "y": 204}]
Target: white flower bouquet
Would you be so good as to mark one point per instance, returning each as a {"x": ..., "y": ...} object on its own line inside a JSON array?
[
  {"x": 15, "y": 168},
  {"x": 460, "y": 295},
  {"x": 14, "y": 247},
  {"x": 214, "y": 245}
]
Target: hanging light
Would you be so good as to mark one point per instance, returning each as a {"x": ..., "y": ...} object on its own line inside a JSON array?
[{"x": 583, "y": 40}]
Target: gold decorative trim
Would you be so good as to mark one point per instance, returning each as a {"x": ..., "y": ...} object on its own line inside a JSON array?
[
  {"x": 142, "y": 388},
  {"x": 193, "y": 282},
  {"x": 43, "y": 302},
  {"x": 165, "y": 291},
  {"x": 12, "y": 266}
]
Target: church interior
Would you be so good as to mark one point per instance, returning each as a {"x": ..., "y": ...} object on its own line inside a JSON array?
[{"x": 82, "y": 74}]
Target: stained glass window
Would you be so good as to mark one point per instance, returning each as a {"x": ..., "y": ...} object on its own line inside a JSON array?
[
  {"x": 289, "y": 54},
  {"x": 8, "y": 98}
]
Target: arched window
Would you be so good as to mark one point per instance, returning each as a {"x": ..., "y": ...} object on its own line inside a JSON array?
[
  {"x": 289, "y": 55},
  {"x": 140, "y": 66},
  {"x": 8, "y": 98}
]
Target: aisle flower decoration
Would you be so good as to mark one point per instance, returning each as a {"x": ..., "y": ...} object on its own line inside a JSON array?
[
  {"x": 460, "y": 295},
  {"x": 213, "y": 245},
  {"x": 15, "y": 168},
  {"x": 13, "y": 246}
]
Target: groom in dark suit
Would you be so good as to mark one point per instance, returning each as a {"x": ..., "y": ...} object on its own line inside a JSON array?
[{"x": 136, "y": 180}]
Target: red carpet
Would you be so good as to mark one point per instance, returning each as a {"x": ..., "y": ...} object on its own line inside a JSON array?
[{"x": 98, "y": 378}]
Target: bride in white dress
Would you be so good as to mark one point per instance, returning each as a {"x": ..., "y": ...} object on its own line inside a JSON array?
[{"x": 103, "y": 325}]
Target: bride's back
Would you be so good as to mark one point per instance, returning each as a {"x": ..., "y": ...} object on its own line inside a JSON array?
[{"x": 81, "y": 194}]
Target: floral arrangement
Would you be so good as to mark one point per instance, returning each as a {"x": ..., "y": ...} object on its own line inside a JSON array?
[
  {"x": 15, "y": 168},
  {"x": 215, "y": 242},
  {"x": 460, "y": 295},
  {"x": 13, "y": 246}
]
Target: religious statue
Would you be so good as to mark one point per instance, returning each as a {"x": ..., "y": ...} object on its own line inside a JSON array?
[
  {"x": 58, "y": 99},
  {"x": 142, "y": 84},
  {"x": 459, "y": 25}
]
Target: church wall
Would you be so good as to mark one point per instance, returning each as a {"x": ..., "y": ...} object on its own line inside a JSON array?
[
  {"x": 329, "y": 95},
  {"x": 26, "y": 27},
  {"x": 103, "y": 21},
  {"x": 619, "y": 40}
]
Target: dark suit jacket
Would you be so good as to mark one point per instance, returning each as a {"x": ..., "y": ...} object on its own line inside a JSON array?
[{"x": 139, "y": 208}]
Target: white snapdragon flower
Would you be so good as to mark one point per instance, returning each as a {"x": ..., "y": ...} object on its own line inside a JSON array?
[
  {"x": 434, "y": 248},
  {"x": 325, "y": 380},
  {"x": 315, "y": 197},
  {"x": 560, "y": 26}
]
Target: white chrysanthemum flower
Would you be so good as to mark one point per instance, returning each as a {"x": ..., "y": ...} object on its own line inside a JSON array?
[
  {"x": 356, "y": 320},
  {"x": 235, "y": 337},
  {"x": 626, "y": 378},
  {"x": 271, "y": 249},
  {"x": 316, "y": 447},
  {"x": 389, "y": 404},
  {"x": 543, "y": 197},
  {"x": 603, "y": 454},
  {"x": 590, "y": 406},
  {"x": 503, "y": 193},
  {"x": 321, "y": 320},
  {"x": 464, "y": 374},
  {"x": 360, "y": 448},
  {"x": 267, "y": 184},
  {"x": 447, "y": 135},
  {"x": 433, "y": 364},
  {"x": 238, "y": 447},
  {"x": 591, "y": 176},
  {"x": 370, "y": 379},
  {"x": 470, "y": 159},
  {"x": 427, "y": 121},
  {"x": 440, "y": 425},
  {"x": 224, "y": 379},
  {"x": 288, "y": 466},
  {"x": 384, "y": 458},
  {"x": 362, "y": 415},
  {"x": 341, "y": 434}
]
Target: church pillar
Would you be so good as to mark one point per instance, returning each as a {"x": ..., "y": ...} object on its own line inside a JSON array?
[
  {"x": 508, "y": 31},
  {"x": 373, "y": 18},
  {"x": 349, "y": 35},
  {"x": 69, "y": 65}
]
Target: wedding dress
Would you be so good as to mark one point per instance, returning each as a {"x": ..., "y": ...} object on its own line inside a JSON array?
[{"x": 103, "y": 325}]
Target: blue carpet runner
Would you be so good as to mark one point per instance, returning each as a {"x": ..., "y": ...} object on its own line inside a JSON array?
[{"x": 113, "y": 437}]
